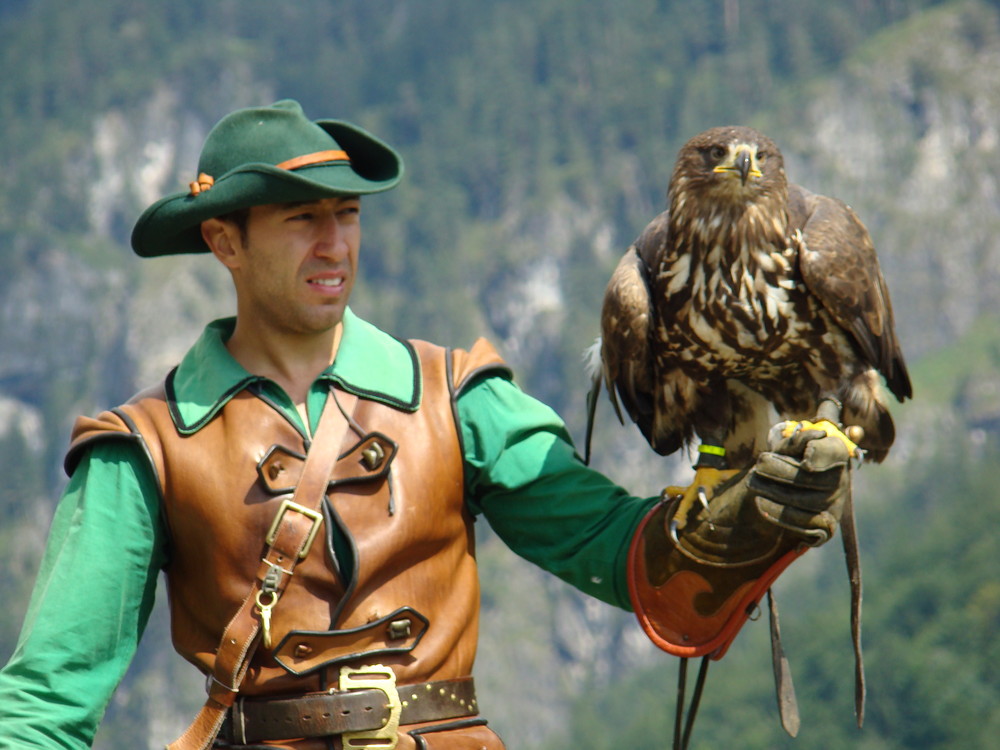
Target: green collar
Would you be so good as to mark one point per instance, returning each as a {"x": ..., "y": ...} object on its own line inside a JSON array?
[{"x": 370, "y": 363}]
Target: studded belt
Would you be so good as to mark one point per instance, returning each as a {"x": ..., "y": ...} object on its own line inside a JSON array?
[{"x": 371, "y": 707}]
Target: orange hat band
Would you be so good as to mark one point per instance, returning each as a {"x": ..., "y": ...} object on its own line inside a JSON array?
[{"x": 315, "y": 158}]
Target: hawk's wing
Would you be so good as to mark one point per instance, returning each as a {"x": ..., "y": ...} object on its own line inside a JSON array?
[
  {"x": 839, "y": 266},
  {"x": 627, "y": 319}
]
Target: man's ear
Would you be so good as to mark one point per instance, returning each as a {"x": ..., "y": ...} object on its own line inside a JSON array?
[{"x": 223, "y": 239}]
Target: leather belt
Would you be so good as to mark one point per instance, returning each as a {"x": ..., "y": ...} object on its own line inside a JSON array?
[{"x": 314, "y": 715}]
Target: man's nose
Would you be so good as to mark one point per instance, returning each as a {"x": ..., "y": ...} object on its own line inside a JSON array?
[{"x": 332, "y": 239}]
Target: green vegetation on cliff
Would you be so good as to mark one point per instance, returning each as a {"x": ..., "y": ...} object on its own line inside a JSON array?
[{"x": 538, "y": 138}]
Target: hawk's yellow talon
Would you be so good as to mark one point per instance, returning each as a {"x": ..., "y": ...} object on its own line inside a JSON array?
[
  {"x": 700, "y": 491},
  {"x": 826, "y": 427}
]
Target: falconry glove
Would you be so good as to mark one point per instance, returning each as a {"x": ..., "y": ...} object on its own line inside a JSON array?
[{"x": 692, "y": 595}]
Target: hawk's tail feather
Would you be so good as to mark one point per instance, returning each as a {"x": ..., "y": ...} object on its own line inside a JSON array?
[
  {"x": 595, "y": 372},
  {"x": 592, "y": 395},
  {"x": 898, "y": 379}
]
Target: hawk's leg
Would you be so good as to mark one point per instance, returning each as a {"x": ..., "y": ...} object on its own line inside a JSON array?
[{"x": 710, "y": 471}]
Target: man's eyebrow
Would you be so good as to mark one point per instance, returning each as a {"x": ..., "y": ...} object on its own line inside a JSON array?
[{"x": 291, "y": 205}]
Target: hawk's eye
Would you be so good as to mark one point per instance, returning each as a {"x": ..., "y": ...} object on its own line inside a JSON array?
[
  {"x": 761, "y": 155},
  {"x": 717, "y": 152}
]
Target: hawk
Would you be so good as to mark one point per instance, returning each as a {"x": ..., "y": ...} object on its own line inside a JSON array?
[{"x": 747, "y": 301}]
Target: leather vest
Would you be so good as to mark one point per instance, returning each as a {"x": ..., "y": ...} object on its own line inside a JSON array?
[{"x": 408, "y": 596}]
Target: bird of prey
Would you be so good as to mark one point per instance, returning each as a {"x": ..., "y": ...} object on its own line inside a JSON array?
[{"x": 747, "y": 301}]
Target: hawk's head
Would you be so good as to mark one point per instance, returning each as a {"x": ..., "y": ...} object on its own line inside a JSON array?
[{"x": 731, "y": 166}]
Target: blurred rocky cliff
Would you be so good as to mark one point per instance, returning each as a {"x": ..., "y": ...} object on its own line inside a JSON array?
[{"x": 539, "y": 139}]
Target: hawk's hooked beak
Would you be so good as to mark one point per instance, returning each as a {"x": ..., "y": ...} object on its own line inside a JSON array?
[
  {"x": 744, "y": 161},
  {"x": 741, "y": 159}
]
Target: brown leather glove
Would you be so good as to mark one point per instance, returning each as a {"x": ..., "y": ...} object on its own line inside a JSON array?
[
  {"x": 693, "y": 595},
  {"x": 801, "y": 483}
]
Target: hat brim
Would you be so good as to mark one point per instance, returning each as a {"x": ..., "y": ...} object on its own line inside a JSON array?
[{"x": 172, "y": 225}]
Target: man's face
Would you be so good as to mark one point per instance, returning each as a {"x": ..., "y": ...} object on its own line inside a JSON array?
[{"x": 294, "y": 267}]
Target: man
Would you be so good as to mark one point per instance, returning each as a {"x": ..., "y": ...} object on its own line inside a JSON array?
[{"x": 309, "y": 483}]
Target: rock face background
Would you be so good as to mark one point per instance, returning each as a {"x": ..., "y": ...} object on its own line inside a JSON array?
[{"x": 538, "y": 138}]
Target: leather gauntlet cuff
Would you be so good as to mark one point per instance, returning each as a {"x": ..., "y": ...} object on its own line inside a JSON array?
[{"x": 692, "y": 596}]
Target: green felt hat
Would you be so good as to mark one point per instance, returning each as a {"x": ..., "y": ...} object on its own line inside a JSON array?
[{"x": 266, "y": 155}]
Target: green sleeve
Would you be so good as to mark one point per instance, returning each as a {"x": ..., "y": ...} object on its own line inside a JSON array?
[
  {"x": 90, "y": 604},
  {"x": 525, "y": 477}
]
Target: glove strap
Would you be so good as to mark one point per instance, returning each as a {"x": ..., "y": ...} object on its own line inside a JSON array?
[
  {"x": 849, "y": 535},
  {"x": 788, "y": 704},
  {"x": 682, "y": 738}
]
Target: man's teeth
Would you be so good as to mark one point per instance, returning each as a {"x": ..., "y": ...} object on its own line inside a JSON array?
[{"x": 329, "y": 282}]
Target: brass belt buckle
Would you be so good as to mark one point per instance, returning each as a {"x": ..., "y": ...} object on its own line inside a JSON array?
[{"x": 377, "y": 677}]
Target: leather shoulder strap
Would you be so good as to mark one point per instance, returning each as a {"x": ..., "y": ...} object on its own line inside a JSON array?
[{"x": 288, "y": 542}]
